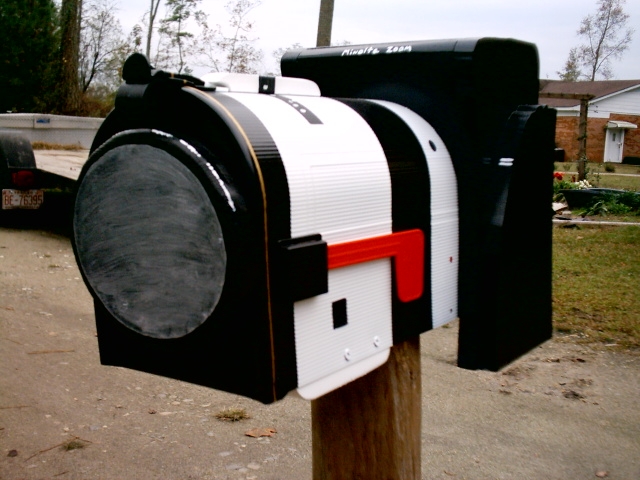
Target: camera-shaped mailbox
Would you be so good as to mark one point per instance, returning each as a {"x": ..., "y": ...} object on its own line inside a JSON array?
[{"x": 256, "y": 236}]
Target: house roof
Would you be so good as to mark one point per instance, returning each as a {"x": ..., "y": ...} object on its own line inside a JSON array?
[{"x": 598, "y": 89}]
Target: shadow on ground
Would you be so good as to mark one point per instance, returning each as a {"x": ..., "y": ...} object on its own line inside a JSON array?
[{"x": 55, "y": 215}]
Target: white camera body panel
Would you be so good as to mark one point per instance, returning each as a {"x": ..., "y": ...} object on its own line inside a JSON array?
[
  {"x": 339, "y": 187},
  {"x": 445, "y": 238}
]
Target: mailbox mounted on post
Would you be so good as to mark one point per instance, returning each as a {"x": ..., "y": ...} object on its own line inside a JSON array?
[{"x": 252, "y": 235}]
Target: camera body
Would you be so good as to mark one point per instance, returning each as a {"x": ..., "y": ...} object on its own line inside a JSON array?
[{"x": 253, "y": 235}]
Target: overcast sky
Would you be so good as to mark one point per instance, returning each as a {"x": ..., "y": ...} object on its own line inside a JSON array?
[{"x": 550, "y": 24}]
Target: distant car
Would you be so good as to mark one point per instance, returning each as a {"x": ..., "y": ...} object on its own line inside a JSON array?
[{"x": 18, "y": 174}]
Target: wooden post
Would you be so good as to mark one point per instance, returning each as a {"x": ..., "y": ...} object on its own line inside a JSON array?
[
  {"x": 582, "y": 138},
  {"x": 325, "y": 22},
  {"x": 371, "y": 428},
  {"x": 582, "y": 125}
]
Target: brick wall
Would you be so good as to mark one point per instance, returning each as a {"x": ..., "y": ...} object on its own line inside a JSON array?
[
  {"x": 631, "y": 136},
  {"x": 596, "y": 134},
  {"x": 567, "y": 137}
]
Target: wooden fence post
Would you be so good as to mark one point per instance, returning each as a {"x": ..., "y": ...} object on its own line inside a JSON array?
[
  {"x": 582, "y": 125},
  {"x": 371, "y": 428}
]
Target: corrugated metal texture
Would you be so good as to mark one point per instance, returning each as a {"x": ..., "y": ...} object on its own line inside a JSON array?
[
  {"x": 444, "y": 272},
  {"x": 339, "y": 187},
  {"x": 444, "y": 241},
  {"x": 351, "y": 201},
  {"x": 444, "y": 235},
  {"x": 338, "y": 177},
  {"x": 321, "y": 348}
]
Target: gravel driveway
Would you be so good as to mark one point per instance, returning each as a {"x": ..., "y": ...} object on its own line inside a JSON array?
[{"x": 562, "y": 412}]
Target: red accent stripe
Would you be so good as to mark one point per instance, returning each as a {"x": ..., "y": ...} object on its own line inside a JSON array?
[{"x": 407, "y": 248}]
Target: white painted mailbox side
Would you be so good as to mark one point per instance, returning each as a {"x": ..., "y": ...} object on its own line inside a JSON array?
[{"x": 339, "y": 187}]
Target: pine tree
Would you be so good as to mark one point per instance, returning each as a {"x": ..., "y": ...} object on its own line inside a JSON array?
[{"x": 25, "y": 65}]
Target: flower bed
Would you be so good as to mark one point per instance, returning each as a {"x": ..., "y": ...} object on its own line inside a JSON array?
[{"x": 591, "y": 200}]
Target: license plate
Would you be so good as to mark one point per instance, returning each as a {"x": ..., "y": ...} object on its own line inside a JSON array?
[{"x": 28, "y": 199}]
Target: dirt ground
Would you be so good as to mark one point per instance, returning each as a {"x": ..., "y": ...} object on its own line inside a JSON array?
[{"x": 562, "y": 412}]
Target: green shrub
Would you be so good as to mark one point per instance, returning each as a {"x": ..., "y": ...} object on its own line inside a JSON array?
[
  {"x": 599, "y": 207},
  {"x": 609, "y": 167},
  {"x": 627, "y": 203},
  {"x": 562, "y": 185},
  {"x": 620, "y": 209},
  {"x": 630, "y": 199}
]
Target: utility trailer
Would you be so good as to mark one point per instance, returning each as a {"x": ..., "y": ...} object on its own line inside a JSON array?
[{"x": 36, "y": 185}]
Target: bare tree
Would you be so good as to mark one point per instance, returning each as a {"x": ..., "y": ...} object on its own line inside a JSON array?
[
  {"x": 149, "y": 24},
  {"x": 101, "y": 45},
  {"x": 162, "y": 54},
  {"x": 606, "y": 36},
  {"x": 209, "y": 48},
  {"x": 234, "y": 52},
  {"x": 151, "y": 19}
]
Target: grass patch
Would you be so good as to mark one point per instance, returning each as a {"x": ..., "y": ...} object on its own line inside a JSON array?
[
  {"x": 55, "y": 146},
  {"x": 616, "y": 181},
  {"x": 610, "y": 180},
  {"x": 594, "y": 167},
  {"x": 596, "y": 284},
  {"x": 233, "y": 414}
]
